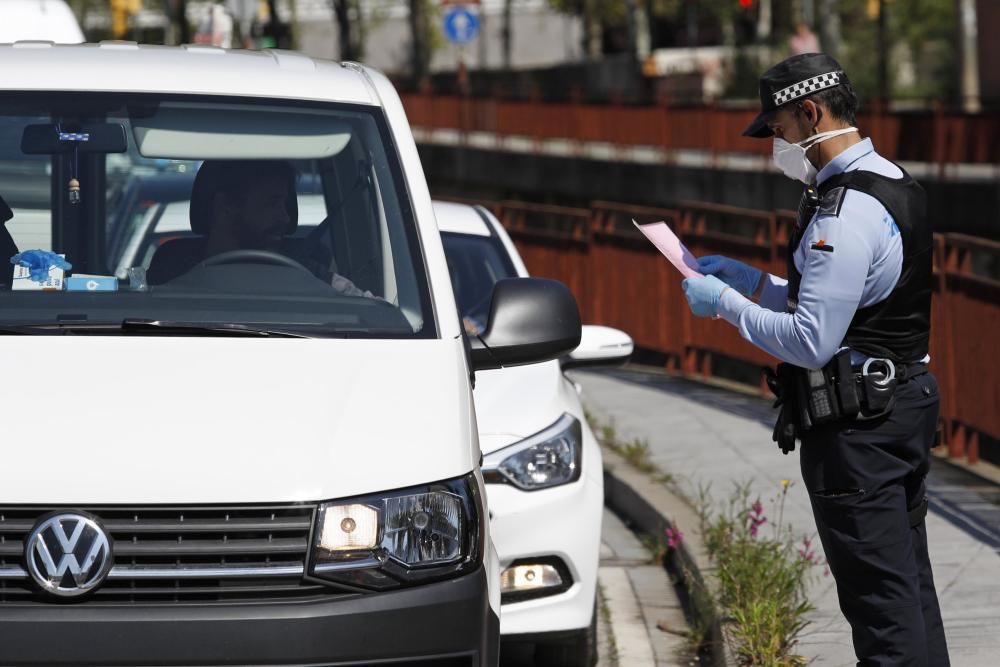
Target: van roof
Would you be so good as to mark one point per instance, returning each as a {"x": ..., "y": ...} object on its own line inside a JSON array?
[{"x": 113, "y": 66}]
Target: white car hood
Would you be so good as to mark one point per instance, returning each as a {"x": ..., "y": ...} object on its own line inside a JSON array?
[
  {"x": 148, "y": 420},
  {"x": 513, "y": 403}
]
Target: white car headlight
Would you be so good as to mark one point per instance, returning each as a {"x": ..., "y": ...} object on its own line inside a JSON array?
[{"x": 548, "y": 458}]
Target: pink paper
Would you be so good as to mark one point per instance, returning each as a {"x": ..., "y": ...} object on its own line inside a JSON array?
[{"x": 667, "y": 243}]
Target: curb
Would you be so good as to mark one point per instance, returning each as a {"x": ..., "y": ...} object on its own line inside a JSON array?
[{"x": 641, "y": 501}]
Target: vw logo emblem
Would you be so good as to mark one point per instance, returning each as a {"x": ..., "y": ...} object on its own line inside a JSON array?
[{"x": 68, "y": 554}]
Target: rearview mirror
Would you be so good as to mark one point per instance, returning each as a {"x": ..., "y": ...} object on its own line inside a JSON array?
[
  {"x": 531, "y": 320},
  {"x": 600, "y": 346},
  {"x": 47, "y": 139}
]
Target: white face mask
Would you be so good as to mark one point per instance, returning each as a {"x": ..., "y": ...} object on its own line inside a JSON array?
[{"x": 791, "y": 158}]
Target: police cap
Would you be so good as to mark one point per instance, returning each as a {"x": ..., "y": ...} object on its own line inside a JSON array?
[{"x": 790, "y": 80}]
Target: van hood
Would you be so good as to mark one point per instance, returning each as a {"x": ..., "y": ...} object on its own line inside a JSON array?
[
  {"x": 514, "y": 403},
  {"x": 150, "y": 420}
]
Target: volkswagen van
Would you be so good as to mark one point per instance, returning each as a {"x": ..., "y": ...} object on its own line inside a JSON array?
[{"x": 257, "y": 445}]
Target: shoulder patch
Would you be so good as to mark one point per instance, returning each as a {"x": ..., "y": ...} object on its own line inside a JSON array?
[{"x": 832, "y": 202}]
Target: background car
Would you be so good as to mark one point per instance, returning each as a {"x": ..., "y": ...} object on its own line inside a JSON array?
[
  {"x": 47, "y": 20},
  {"x": 542, "y": 463}
]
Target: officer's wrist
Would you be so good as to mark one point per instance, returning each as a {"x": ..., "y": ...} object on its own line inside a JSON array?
[
  {"x": 718, "y": 304},
  {"x": 731, "y": 305}
]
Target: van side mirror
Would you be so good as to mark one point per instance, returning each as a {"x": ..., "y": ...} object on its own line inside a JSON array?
[
  {"x": 599, "y": 346},
  {"x": 531, "y": 320}
]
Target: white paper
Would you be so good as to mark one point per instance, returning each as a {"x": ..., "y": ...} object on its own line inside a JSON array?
[
  {"x": 22, "y": 279},
  {"x": 660, "y": 234}
]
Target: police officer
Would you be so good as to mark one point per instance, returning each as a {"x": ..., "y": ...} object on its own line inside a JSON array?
[{"x": 851, "y": 324}]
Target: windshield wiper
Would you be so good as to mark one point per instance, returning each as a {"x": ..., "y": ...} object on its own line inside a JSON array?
[
  {"x": 140, "y": 326},
  {"x": 206, "y": 329}
]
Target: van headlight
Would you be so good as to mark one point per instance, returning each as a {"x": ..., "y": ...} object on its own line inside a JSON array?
[
  {"x": 548, "y": 458},
  {"x": 400, "y": 538}
]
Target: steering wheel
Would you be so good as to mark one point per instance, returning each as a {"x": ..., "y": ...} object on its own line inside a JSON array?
[{"x": 253, "y": 257}]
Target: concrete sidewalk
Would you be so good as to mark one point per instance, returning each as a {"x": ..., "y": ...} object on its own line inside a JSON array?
[{"x": 703, "y": 435}]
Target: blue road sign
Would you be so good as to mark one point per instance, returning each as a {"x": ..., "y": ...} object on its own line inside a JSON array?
[{"x": 460, "y": 25}]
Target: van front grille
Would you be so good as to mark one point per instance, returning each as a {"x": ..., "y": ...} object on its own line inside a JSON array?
[{"x": 179, "y": 554}]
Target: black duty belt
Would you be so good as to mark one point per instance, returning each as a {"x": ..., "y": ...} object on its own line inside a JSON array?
[{"x": 903, "y": 372}]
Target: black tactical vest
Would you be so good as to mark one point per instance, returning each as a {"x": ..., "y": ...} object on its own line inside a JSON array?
[{"x": 897, "y": 328}]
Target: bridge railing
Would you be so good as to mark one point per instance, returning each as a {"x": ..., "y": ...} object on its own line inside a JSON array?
[
  {"x": 620, "y": 280},
  {"x": 939, "y": 137}
]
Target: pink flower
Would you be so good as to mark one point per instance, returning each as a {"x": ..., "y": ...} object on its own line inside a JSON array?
[
  {"x": 755, "y": 518},
  {"x": 675, "y": 537},
  {"x": 757, "y": 523},
  {"x": 807, "y": 553}
]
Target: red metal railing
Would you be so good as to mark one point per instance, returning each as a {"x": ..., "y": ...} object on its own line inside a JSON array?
[
  {"x": 937, "y": 137},
  {"x": 620, "y": 280}
]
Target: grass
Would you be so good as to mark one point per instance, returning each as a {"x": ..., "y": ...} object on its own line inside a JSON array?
[
  {"x": 657, "y": 547},
  {"x": 761, "y": 579},
  {"x": 606, "y": 619},
  {"x": 635, "y": 451},
  {"x": 761, "y": 569}
]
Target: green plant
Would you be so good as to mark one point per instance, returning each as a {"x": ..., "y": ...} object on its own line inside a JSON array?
[
  {"x": 656, "y": 546},
  {"x": 761, "y": 579},
  {"x": 636, "y": 452},
  {"x": 605, "y": 612}
]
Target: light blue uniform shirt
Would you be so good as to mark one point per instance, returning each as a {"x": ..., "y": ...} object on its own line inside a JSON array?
[{"x": 862, "y": 270}]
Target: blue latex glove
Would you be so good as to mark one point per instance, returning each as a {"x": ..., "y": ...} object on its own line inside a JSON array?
[
  {"x": 741, "y": 277},
  {"x": 703, "y": 295},
  {"x": 38, "y": 263}
]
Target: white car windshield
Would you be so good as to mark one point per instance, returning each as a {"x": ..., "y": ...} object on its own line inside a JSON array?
[
  {"x": 475, "y": 263},
  {"x": 205, "y": 215}
]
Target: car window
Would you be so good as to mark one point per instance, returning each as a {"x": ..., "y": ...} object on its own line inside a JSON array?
[
  {"x": 166, "y": 208},
  {"x": 475, "y": 263}
]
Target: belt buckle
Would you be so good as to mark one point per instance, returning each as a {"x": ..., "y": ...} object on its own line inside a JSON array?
[{"x": 889, "y": 375}]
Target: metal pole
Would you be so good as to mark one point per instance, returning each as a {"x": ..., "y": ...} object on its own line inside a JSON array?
[
  {"x": 829, "y": 27},
  {"x": 969, "y": 31},
  {"x": 481, "y": 57},
  {"x": 808, "y": 12},
  {"x": 417, "y": 36},
  {"x": 883, "y": 53},
  {"x": 505, "y": 33},
  {"x": 764, "y": 21}
]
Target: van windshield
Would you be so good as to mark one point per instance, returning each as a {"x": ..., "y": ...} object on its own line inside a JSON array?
[{"x": 204, "y": 215}]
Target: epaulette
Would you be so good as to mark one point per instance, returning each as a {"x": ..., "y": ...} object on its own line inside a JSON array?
[{"x": 831, "y": 202}]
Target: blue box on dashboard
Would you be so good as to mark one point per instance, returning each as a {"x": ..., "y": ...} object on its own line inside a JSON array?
[{"x": 92, "y": 284}]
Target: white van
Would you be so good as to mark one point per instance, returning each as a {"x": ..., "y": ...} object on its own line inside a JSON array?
[
  {"x": 46, "y": 20},
  {"x": 263, "y": 450}
]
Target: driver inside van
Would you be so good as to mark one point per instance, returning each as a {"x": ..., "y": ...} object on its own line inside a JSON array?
[{"x": 239, "y": 205}]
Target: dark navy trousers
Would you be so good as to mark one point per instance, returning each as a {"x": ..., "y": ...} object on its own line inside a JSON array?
[{"x": 863, "y": 477}]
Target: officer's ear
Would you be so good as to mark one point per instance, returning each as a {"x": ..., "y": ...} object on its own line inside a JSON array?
[{"x": 812, "y": 113}]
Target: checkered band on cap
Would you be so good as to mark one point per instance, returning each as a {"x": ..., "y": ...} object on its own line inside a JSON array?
[{"x": 807, "y": 87}]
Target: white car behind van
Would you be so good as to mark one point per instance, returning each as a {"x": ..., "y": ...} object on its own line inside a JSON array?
[{"x": 542, "y": 466}]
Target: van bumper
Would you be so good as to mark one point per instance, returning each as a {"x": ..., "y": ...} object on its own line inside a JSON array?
[{"x": 445, "y": 623}]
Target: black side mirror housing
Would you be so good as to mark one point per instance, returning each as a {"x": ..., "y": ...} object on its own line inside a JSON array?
[{"x": 531, "y": 320}]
